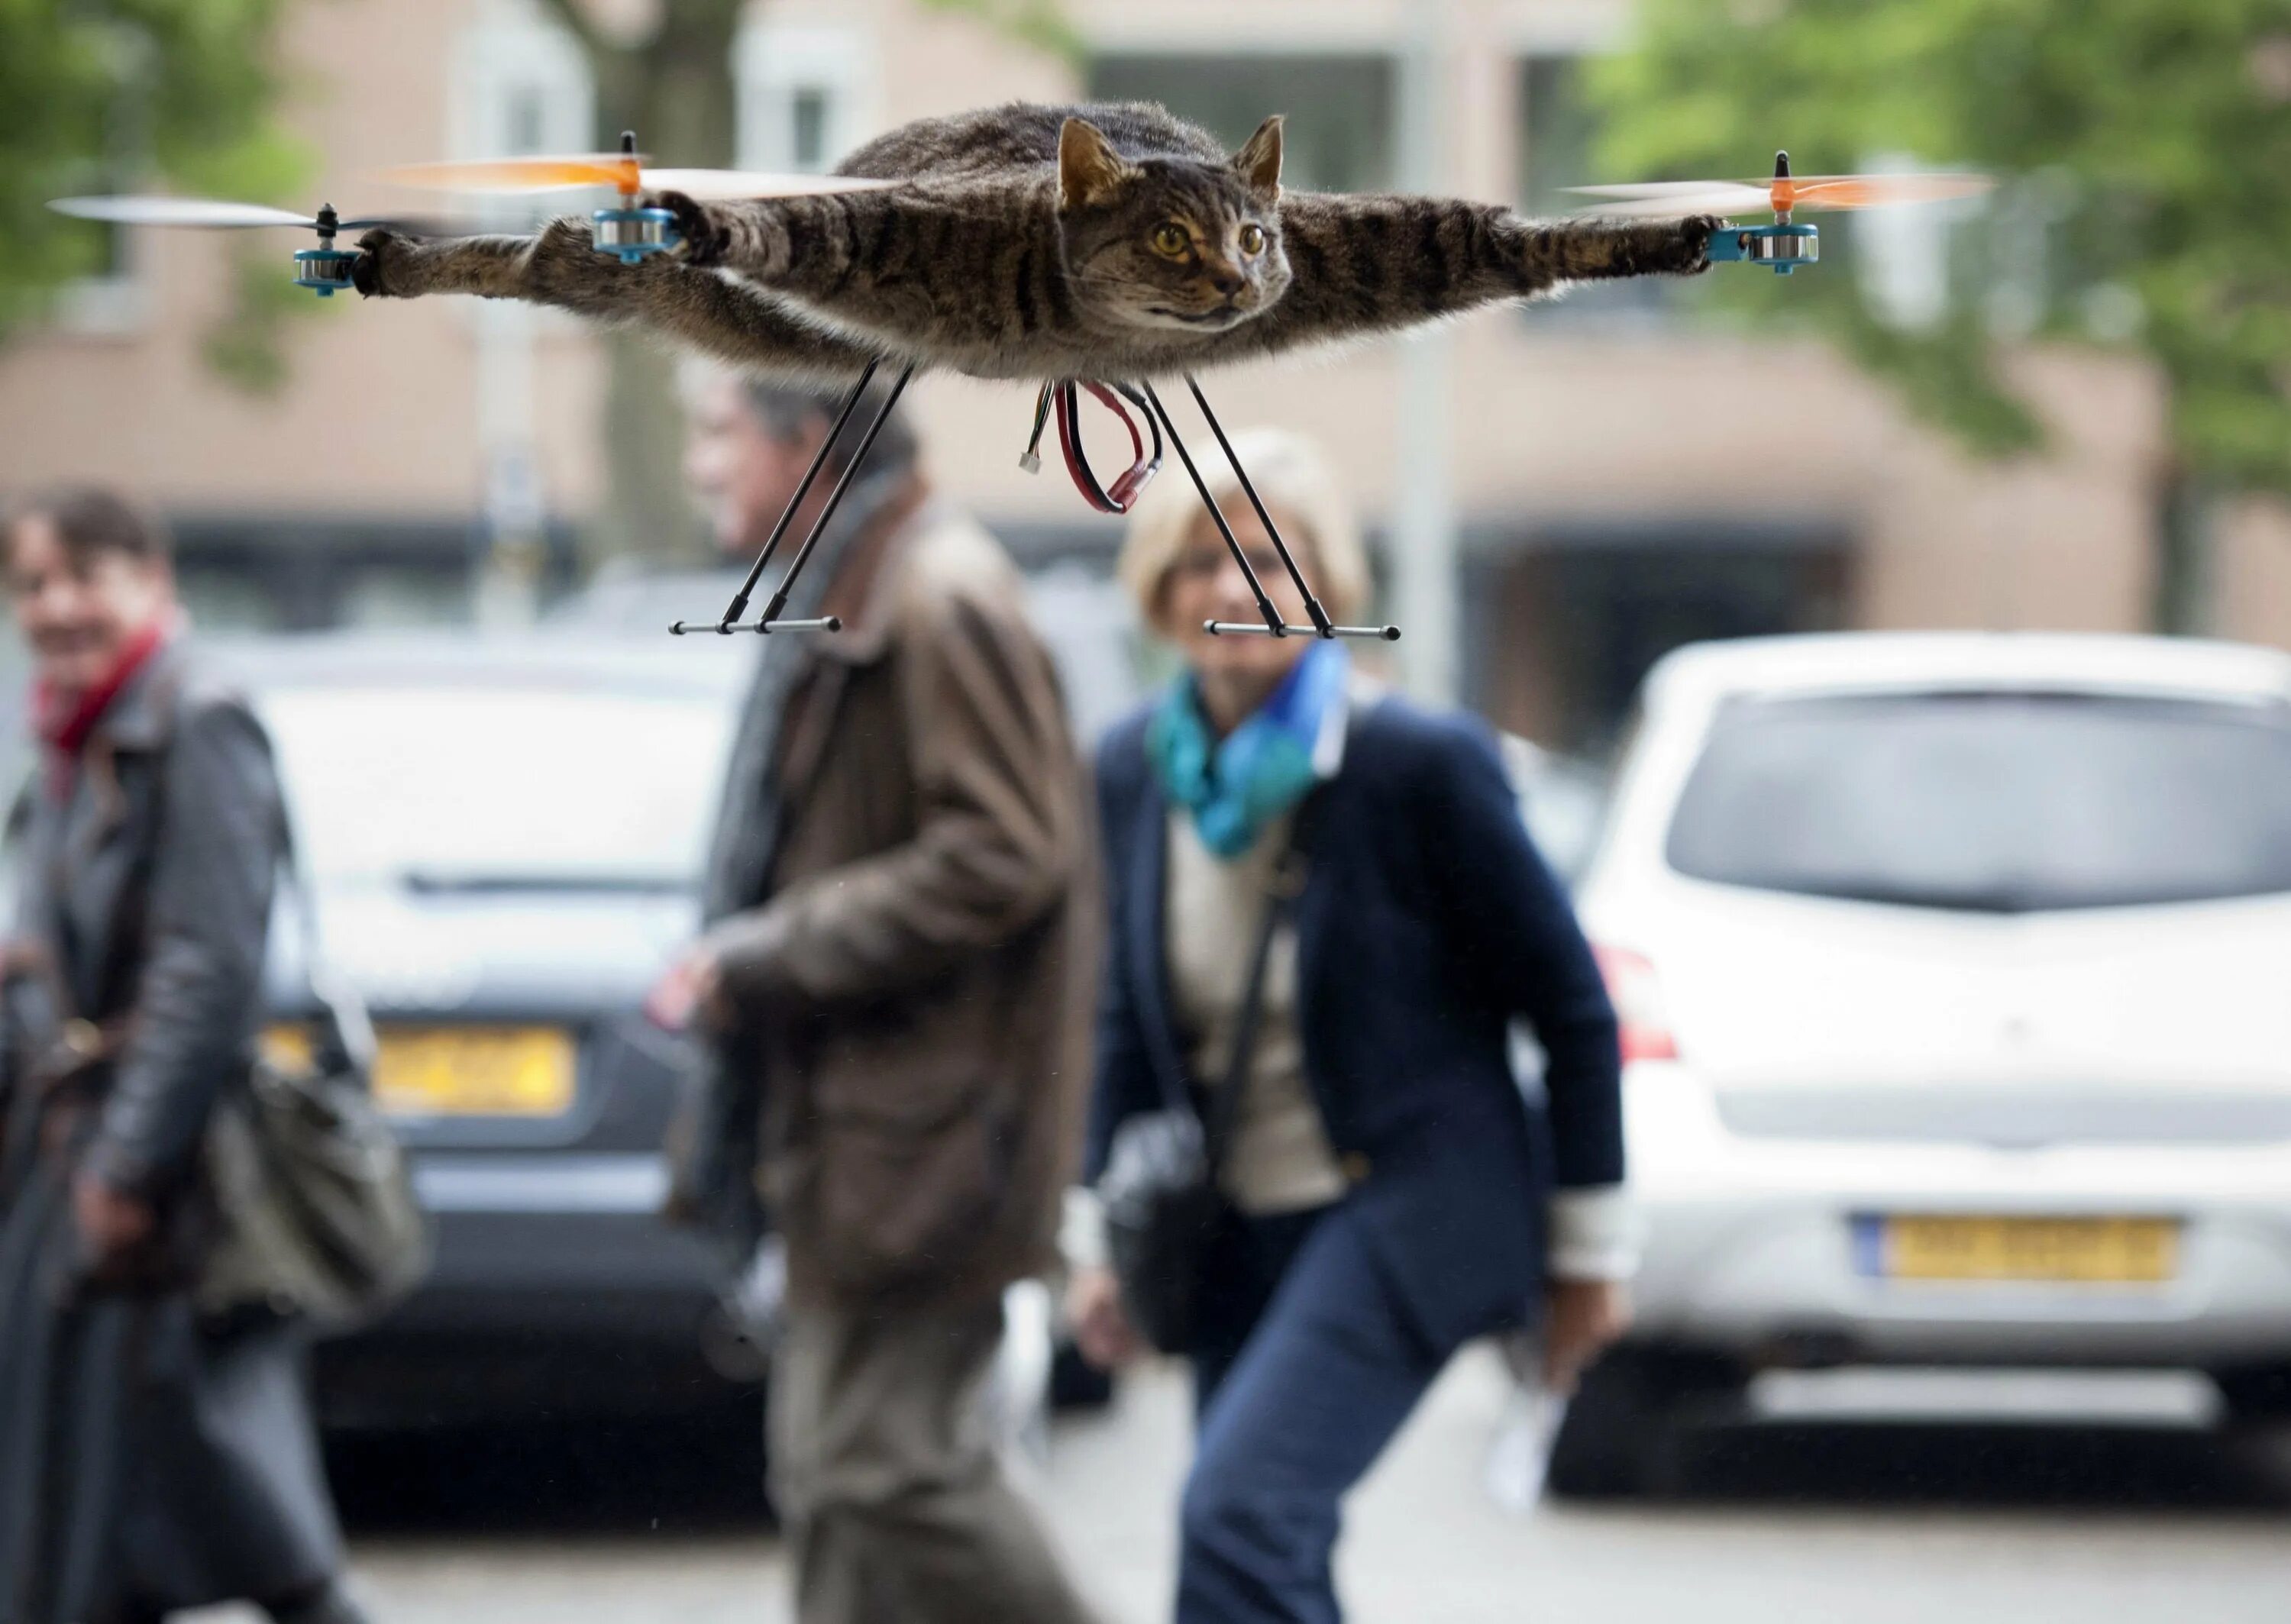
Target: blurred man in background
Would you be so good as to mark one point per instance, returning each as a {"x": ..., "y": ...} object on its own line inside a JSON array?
[{"x": 896, "y": 975}]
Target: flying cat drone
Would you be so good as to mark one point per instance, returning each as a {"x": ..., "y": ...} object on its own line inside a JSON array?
[{"x": 1100, "y": 247}]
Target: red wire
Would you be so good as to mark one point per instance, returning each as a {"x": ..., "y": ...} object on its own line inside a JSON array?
[{"x": 1127, "y": 486}]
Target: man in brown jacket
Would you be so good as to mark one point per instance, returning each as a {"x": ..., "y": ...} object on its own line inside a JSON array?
[{"x": 896, "y": 968}]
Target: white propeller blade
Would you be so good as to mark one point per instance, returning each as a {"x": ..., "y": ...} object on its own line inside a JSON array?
[
  {"x": 1678, "y": 197},
  {"x": 177, "y": 212},
  {"x": 728, "y": 184}
]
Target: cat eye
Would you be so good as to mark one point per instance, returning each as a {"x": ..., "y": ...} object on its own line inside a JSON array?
[
  {"x": 1172, "y": 239},
  {"x": 1252, "y": 240}
]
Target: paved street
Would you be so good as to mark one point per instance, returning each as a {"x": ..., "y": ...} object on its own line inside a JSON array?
[{"x": 2033, "y": 1524}]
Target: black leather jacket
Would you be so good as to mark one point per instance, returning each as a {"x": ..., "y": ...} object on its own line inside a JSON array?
[{"x": 144, "y": 897}]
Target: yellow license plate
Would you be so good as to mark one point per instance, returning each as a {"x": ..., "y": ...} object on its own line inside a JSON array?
[
  {"x": 2114, "y": 1250},
  {"x": 474, "y": 1070}
]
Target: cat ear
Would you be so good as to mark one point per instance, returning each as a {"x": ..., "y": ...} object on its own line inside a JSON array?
[
  {"x": 1258, "y": 163},
  {"x": 1088, "y": 167}
]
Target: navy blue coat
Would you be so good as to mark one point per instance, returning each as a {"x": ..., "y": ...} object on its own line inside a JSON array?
[{"x": 1428, "y": 923}]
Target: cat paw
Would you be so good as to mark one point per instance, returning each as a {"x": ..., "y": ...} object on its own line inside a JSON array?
[
  {"x": 565, "y": 267},
  {"x": 1695, "y": 232},
  {"x": 702, "y": 241},
  {"x": 384, "y": 266}
]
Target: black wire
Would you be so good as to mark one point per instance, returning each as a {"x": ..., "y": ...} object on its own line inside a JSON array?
[
  {"x": 1153, "y": 427},
  {"x": 1041, "y": 422}
]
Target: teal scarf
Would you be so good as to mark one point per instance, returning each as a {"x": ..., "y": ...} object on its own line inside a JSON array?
[{"x": 1236, "y": 786}]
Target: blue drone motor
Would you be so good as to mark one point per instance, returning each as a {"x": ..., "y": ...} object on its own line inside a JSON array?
[
  {"x": 324, "y": 270},
  {"x": 630, "y": 234},
  {"x": 1783, "y": 247}
]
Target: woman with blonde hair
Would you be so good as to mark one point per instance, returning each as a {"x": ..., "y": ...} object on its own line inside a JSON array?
[{"x": 1325, "y": 915}]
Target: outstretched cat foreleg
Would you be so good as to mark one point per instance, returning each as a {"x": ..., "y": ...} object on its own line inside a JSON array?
[
  {"x": 955, "y": 274},
  {"x": 1379, "y": 264},
  {"x": 561, "y": 268}
]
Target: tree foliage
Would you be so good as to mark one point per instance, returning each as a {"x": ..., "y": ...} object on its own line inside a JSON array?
[
  {"x": 112, "y": 94},
  {"x": 2145, "y": 149}
]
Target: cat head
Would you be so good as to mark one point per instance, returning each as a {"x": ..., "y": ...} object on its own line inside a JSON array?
[{"x": 1177, "y": 243}]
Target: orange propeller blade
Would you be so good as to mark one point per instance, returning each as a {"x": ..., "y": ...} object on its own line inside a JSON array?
[
  {"x": 510, "y": 175},
  {"x": 1876, "y": 191},
  {"x": 624, "y": 171}
]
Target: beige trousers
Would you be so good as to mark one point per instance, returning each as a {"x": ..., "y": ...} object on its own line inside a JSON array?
[{"x": 892, "y": 1501}]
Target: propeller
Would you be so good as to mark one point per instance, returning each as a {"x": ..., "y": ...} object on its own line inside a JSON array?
[
  {"x": 325, "y": 269},
  {"x": 207, "y": 214},
  {"x": 626, "y": 170},
  {"x": 1784, "y": 194}
]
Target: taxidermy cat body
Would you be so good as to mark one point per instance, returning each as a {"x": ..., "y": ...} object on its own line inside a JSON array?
[{"x": 1110, "y": 241}]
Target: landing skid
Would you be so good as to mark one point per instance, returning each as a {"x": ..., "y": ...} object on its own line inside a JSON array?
[{"x": 1271, "y": 625}]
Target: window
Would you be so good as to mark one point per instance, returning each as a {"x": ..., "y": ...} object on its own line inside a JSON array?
[
  {"x": 520, "y": 84},
  {"x": 1902, "y": 260},
  {"x": 224, "y": 598},
  {"x": 433, "y": 784},
  {"x": 1569, "y": 630},
  {"x": 803, "y": 97},
  {"x": 1992, "y": 802},
  {"x": 1555, "y": 130},
  {"x": 1340, "y": 106},
  {"x": 114, "y": 299}
]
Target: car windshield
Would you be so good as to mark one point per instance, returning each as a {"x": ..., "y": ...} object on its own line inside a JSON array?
[
  {"x": 499, "y": 786},
  {"x": 2006, "y": 802}
]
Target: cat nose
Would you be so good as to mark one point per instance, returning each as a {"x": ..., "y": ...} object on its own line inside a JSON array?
[{"x": 1227, "y": 279}]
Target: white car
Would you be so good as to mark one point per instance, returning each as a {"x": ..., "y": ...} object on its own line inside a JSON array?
[{"x": 1955, "y": 977}]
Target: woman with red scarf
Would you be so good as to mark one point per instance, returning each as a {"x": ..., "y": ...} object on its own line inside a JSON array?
[{"x": 156, "y": 1455}]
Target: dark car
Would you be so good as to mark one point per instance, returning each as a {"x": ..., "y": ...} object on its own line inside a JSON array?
[{"x": 501, "y": 837}]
